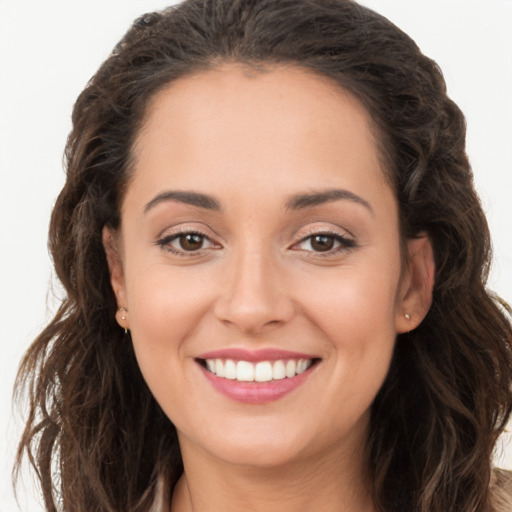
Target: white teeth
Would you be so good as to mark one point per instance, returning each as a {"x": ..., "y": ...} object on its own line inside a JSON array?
[
  {"x": 278, "y": 370},
  {"x": 219, "y": 368},
  {"x": 290, "y": 369},
  {"x": 301, "y": 366},
  {"x": 230, "y": 370},
  {"x": 263, "y": 371},
  {"x": 244, "y": 371}
]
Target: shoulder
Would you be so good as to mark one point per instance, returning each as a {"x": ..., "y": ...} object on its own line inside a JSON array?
[{"x": 501, "y": 490}]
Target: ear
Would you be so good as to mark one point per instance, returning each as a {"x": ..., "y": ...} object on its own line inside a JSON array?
[
  {"x": 115, "y": 265},
  {"x": 417, "y": 284}
]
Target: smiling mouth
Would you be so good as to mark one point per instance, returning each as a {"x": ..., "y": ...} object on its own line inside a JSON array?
[{"x": 261, "y": 371}]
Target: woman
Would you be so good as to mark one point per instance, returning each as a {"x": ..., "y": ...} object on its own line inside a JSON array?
[{"x": 275, "y": 267}]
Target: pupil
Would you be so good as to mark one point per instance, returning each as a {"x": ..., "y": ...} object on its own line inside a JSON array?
[
  {"x": 191, "y": 241},
  {"x": 322, "y": 243}
]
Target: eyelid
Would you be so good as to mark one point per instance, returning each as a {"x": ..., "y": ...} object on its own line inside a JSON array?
[
  {"x": 168, "y": 235},
  {"x": 346, "y": 241}
]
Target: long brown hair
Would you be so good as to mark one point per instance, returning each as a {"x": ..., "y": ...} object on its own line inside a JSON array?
[{"x": 95, "y": 435}]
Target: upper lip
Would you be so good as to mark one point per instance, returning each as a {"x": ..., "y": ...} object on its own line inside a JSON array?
[{"x": 268, "y": 354}]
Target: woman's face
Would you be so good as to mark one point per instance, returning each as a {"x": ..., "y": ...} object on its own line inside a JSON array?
[{"x": 260, "y": 264}]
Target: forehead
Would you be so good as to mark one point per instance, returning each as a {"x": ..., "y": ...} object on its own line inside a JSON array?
[
  {"x": 233, "y": 121},
  {"x": 291, "y": 92}
]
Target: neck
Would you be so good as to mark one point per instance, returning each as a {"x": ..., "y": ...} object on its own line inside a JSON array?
[{"x": 338, "y": 485}]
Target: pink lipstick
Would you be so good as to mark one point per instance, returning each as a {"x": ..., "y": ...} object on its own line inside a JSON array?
[{"x": 256, "y": 376}]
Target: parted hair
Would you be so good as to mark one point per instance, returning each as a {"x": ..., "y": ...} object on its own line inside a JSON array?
[{"x": 96, "y": 437}]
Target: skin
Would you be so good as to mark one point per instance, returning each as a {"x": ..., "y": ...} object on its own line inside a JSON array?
[{"x": 252, "y": 140}]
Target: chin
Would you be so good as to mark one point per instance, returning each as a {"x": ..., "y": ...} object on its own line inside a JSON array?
[
  {"x": 262, "y": 446},
  {"x": 262, "y": 455}
]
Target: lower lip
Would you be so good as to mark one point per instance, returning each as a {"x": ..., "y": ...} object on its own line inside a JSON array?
[{"x": 256, "y": 392}]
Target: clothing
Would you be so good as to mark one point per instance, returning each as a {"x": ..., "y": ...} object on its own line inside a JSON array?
[
  {"x": 501, "y": 493},
  {"x": 501, "y": 490}
]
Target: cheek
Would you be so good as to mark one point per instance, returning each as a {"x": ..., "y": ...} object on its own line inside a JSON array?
[
  {"x": 355, "y": 302},
  {"x": 165, "y": 308},
  {"x": 357, "y": 320}
]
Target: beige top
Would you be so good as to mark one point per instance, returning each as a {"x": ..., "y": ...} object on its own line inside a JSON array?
[
  {"x": 501, "y": 493},
  {"x": 501, "y": 490}
]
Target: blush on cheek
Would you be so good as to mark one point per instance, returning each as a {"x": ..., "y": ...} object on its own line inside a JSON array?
[{"x": 161, "y": 320}]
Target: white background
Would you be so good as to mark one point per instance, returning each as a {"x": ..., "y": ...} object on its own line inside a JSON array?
[{"x": 49, "y": 49}]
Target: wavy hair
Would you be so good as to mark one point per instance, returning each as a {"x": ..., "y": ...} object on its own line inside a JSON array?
[{"x": 96, "y": 437}]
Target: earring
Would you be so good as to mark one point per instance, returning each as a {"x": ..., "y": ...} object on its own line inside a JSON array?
[
  {"x": 407, "y": 316},
  {"x": 123, "y": 318}
]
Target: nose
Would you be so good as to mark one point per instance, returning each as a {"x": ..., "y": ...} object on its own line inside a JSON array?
[{"x": 255, "y": 297}]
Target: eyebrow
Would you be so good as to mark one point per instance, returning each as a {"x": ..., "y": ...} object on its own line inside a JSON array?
[
  {"x": 300, "y": 201},
  {"x": 191, "y": 198},
  {"x": 296, "y": 202}
]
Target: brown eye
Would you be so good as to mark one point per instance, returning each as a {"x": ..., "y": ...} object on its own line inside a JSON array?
[
  {"x": 186, "y": 242},
  {"x": 191, "y": 241},
  {"x": 322, "y": 243},
  {"x": 327, "y": 243}
]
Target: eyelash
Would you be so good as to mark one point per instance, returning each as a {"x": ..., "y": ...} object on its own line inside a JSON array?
[
  {"x": 165, "y": 243},
  {"x": 345, "y": 243}
]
